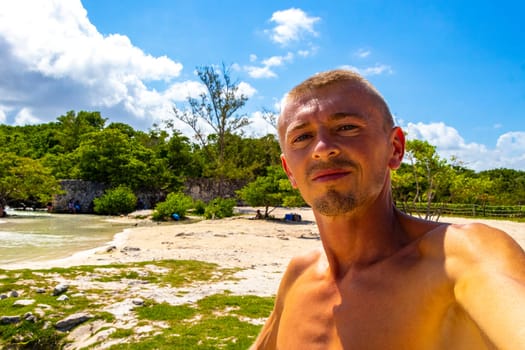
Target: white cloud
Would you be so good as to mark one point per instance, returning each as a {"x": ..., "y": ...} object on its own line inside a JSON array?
[
  {"x": 438, "y": 134},
  {"x": 246, "y": 89},
  {"x": 292, "y": 25},
  {"x": 279, "y": 103},
  {"x": 253, "y": 57},
  {"x": 3, "y": 117},
  {"x": 513, "y": 141},
  {"x": 25, "y": 117},
  {"x": 57, "y": 39},
  {"x": 260, "y": 72},
  {"x": 278, "y": 60},
  {"x": 259, "y": 126},
  {"x": 508, "y": 153},
  {"x": 378, "y": 69},
  {"x": 304, "y": 53},
  {"x": 266, "y": 70},
  {"x": 363, "y": 53},
  {"x": 182, "y": 90},
  {"x": 236, "y": 67},
  {"x": 59, "y": 61},
  {"x": 311, "y": 51}
]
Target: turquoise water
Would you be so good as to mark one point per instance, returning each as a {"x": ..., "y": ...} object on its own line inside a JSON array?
[{"x": 36, "y": 236}]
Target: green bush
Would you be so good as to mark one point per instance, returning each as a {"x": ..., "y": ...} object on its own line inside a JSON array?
[
  {"x": 116, "y": 201},
  {"x": 219, "y": 208},
  {"x": 176, "y": 203},
  {"x": 200, "y": 207}
]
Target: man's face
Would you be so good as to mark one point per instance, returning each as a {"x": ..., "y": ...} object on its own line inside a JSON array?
[{"x": 336, "y": 149}]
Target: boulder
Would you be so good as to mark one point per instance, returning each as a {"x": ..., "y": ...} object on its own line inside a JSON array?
[
  {"x": 138, "y": 302},
  {"x": 24, "y": 302},
  {"x": 72, "y": 321},
  {"x": 63, "y": 297},
  {"x": 61, "y": 288},
  {"x": 9, "y": 319},
  {"x": 28, "y": 316}
]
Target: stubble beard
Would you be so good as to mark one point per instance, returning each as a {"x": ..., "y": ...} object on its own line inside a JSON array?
[{"x": 335, "y": 203}]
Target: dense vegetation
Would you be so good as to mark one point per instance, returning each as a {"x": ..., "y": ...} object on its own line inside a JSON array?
[{"x": 83, "y": 145}]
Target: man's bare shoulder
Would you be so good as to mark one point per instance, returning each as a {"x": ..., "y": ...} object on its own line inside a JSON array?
[
  {"x": 474, "y": 239},
  {"x": 462, "y": 246},
  {"x": 300, "y": 263},
  {"x": 296, "y": 268}
]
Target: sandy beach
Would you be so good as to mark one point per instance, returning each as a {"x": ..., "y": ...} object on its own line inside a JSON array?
[{"x": 261, "y": 248}]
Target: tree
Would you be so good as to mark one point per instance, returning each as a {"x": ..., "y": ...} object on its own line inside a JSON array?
[
  {"x": 508, "y": 185},
  {"x": 112, "y": 157},
  {"x": 430, "y": 175},
  {"x": 25, "y": 179},
  {"x": 72, "y": 127},
  {"x": 181, "y": 159},
  {"x": 404, "y": 188},
  {"x": 272, "y": 190},
  {"x": 249, "y": 157},
  {"x": 468, "y": 188},
  {"x": 32, "y": 141},
  {"x": 62, "y": 165},
  {"x": 217, "y": 108}
]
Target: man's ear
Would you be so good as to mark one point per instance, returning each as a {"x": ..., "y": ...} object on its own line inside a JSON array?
[
  {"x": 288, "y": 172},
  {"x": 398, "y": 147}
]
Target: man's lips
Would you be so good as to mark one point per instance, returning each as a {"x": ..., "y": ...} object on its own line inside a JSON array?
[
  {"x": 329, "y": 174},
  {"x": 331, "y": 170}
]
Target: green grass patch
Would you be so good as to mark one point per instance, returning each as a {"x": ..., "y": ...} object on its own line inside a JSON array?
[
  {"x": 166, "y": 312},
  {"x": 30, "y": 335},
  {"x": 121, "y": 333},
  {"x": 217, "y": 321},
  {"x": 243, "y": 305},
  {"x": 176, "y": 273},
  {"x": 211, "y": 323}
]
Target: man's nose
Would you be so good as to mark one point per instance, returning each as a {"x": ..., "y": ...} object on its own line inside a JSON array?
[{"x": 325, "y": 147}]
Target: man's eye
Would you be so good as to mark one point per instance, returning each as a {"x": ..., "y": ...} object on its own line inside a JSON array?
[
  {"x": 347, "y": 127},
  {"x": 301, "y": 138}
]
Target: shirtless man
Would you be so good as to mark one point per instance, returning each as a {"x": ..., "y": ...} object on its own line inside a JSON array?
[{"x": 384, "y": 280}]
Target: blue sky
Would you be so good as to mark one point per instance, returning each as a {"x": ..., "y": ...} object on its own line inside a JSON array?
[{"x": 453, "y": 73}]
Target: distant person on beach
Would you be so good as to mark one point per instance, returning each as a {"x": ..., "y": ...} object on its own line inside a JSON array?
[
  {"x": 384, "y": 279},
  {"x": 77, "y": 207}
]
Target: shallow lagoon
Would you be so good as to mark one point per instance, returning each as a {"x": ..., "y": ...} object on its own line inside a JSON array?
[{"x": 36, "y": 236}]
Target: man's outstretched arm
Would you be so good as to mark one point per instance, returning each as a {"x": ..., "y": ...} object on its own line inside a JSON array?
[{"x": 489, "y": 271}]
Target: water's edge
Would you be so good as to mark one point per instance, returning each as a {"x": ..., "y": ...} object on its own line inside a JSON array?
[{"x": 30, "y": 238}]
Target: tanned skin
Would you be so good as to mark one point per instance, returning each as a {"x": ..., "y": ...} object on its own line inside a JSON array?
[{"x": 383, "y": 280}]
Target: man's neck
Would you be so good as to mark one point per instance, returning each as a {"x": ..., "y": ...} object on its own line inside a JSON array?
[{"x": 358, "y": 240}]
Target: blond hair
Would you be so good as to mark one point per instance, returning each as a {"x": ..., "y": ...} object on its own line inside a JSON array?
[{"x": 336, "y": 76}]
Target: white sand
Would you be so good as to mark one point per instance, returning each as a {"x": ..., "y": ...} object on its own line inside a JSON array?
[{"x": 262, "y": 247}]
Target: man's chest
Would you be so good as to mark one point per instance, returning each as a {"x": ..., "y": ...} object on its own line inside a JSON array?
[{"x": 366, "y": 313}]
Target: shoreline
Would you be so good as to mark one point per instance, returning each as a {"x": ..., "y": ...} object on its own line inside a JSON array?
[
  {"x": 258, "y": 250},
  {"x": 31, "y": 240},
  {"x": 239, "y": 241}
]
